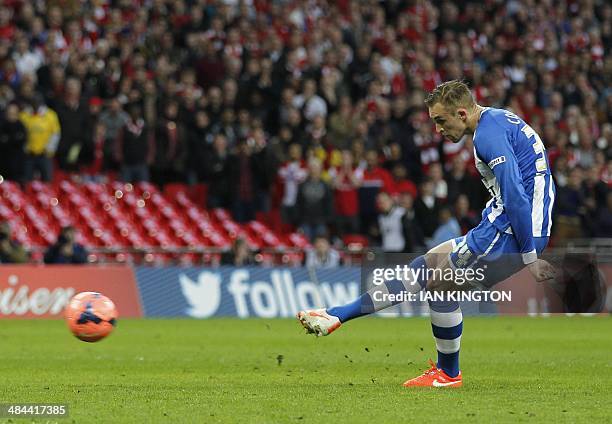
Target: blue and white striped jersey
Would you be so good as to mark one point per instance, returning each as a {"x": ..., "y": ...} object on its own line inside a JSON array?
[{"x": 512, "y": 161}]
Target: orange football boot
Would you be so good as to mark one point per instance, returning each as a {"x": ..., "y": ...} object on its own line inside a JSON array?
[{"x": 434, "y": 377}]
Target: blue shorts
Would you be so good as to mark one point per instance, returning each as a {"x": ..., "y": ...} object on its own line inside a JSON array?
[{"x": 496, "y": 253}]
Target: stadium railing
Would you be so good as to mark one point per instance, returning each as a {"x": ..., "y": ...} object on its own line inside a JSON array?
[{"x": 290, "y": 256}]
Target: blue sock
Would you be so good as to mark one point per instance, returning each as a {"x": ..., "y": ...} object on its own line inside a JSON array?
[
  {"x": 361, "y": 306},
  {"x": 364, "y": 304},
  {"x": 447, "y": 327},
  {"x": 449, "y": 363}
]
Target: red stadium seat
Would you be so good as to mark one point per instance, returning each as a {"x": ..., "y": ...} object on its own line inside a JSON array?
[
  {"x": 172, "y": 190},
  {"x": 119, "y": 215},
  {"x": 298, "y": 240},
  {"x": 355, "y": 241}
]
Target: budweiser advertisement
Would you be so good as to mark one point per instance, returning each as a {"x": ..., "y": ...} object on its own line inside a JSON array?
[{"x": 44, "y": 291}]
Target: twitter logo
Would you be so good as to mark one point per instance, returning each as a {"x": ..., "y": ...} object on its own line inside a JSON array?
[{"x": 203, "y": 296}]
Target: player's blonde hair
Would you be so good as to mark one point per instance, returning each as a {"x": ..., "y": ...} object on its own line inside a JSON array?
[{"x": 452, "y": 95}]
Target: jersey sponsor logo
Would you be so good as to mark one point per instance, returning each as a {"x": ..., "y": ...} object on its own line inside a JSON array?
[{"x": 496, "y": 161}]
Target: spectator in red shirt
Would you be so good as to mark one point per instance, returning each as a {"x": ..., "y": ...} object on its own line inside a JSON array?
[
  {"x": 400, "y": 183},
  {"x": 7, "y": 29},
  {"x": 346, "y": 180}
]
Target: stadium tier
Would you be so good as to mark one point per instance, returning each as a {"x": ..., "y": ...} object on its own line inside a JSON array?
[{"x": 124, "y": 222}]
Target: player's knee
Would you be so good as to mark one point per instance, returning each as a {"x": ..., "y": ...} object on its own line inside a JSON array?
[
  {"x": 436, "y": 284},
  {"x": 437, "y": 256}
]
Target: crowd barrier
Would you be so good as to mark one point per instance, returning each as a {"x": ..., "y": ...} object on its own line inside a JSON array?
[{"x": 40, "y": 291}]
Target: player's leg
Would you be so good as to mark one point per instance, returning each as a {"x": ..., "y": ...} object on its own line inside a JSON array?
[
  {"x": 367, "y": 304},
  {"x": 484, "y": 247},
  {"x": 446, "y": 316},
  {"x": 323, "y": 322}
]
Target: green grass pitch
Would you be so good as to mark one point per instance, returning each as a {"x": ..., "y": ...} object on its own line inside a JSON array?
[{"x": 516, "y": 369}]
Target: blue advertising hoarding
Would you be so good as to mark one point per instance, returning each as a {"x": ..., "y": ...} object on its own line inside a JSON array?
[{"x": 243, "y": 292}]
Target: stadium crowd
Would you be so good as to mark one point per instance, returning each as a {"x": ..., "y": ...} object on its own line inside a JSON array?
[{"x": 311, "y": 108}]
